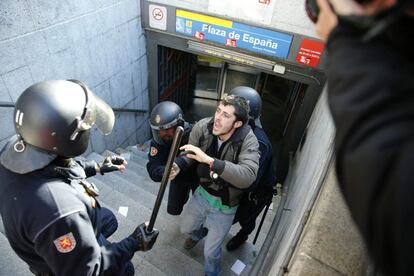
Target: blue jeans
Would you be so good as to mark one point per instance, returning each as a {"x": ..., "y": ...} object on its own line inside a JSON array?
[{"x": 197, "y": 214}]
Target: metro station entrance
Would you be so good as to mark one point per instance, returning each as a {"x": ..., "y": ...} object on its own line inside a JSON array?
[
  {"x": 215, "y": 77},
  {"x": 195, "y": 57},
  {"x": 197, "y": 82}
]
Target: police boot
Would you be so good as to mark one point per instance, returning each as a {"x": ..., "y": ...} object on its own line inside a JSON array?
[{"x": 236, "y": 241}]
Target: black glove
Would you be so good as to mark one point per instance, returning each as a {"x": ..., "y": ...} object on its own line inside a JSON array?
[
  {"x": 144, "y": 240},
  {"x": 110, "y": 164}
]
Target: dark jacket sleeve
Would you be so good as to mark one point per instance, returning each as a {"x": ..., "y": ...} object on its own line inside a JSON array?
[
  {"x": 371, "y": 97},
  {"x": 89, "y": 167},
  {"x": 86, "y": 256},
  {"x": 156, "y": 162}
]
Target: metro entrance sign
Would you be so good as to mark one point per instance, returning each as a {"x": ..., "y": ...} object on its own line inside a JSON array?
[{"x": 233, "y": 34}]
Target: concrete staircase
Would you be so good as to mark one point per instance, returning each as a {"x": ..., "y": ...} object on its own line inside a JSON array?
[{"x": 134, "y": 189}]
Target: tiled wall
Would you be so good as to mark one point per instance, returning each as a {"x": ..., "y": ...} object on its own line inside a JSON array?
[{"x": 100, "y": 42}]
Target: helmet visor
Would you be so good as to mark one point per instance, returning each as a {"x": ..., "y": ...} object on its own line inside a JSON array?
[
  {"x": 96, "y": 112},
  {"x": 104, "y": 115}
]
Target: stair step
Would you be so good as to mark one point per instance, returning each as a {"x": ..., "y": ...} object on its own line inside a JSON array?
[
  {"x": 126, "y": 227},
  {"x": 164, "y": 256},
  {"x": 137, "y": 182},
  {"x": 136, "y": 150},
  {"x": 137, "y": 209},
  {"x": 134, "y": 154},
  {"x": 143, "y": 267},
  {"x": 171, "y": 235},
  {"x": 138, "y": 175},
  {"x": 11, "y": 264},
  {"x": 131, "y": 191}
]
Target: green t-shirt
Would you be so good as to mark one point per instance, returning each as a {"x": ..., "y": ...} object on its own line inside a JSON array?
[{"x": 214, "y": 201}]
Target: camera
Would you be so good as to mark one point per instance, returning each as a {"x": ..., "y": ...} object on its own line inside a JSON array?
[{"x": 312, "y": 8}]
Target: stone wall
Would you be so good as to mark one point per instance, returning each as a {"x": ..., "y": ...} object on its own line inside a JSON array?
[
  {"x": 330, "y": 243},
  {"x": 99, "y": 42}
]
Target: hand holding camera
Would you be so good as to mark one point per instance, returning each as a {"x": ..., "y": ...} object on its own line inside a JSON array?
[
  {"x": 324, "y": 13},
  {"x": 341, "y": 7}
]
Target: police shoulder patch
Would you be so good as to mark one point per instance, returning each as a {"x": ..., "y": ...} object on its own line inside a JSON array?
[
  {"x": 153, "y": 151},
  {"x": 65, "y": 243}
]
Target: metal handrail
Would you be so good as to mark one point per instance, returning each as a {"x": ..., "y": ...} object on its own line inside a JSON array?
[
  {"x": 135, "y": 110},
  {"x": 116, "y": 109},
  {"x": 6, "y": 104}
]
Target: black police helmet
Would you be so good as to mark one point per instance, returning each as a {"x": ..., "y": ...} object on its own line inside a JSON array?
[
  {"x": 56, "y": 116},
  {"x": 165, "y": 115},
  {"x": 53, "y": 118},
  {"x": 252, "y": 97}
]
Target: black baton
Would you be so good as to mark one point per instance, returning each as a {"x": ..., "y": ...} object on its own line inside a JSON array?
[
  {"x": 171, "y": 157},
  {"x": 261, "y": 222}
]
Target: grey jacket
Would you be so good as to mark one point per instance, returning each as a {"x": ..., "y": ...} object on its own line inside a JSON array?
[{"x": 239, "y": 175}]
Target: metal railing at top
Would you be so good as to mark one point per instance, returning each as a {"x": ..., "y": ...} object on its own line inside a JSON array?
[
  {"x": 115, "y": 109},
  {"x": 6, "y": 104}
]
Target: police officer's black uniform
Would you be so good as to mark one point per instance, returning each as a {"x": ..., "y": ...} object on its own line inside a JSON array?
[
  {"x": 179, "y": 187},
  {"x": 49, "y": 215},
  {"x": 261, "y": 191},
  {"x": 49, "y": 211},
  {"x": 165, "y": 115}
]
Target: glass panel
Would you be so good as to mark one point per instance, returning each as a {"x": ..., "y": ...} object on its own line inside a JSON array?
[
  {"x": 277, "y": 90},
  {"x": 207, "y": 81},
  {"x": 237, "y": 78},
  {"x": 206, "y": 78},
  {"x": 276, "y": 93}
]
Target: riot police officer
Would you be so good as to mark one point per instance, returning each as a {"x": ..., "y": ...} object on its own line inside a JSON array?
[
  {"x": 261, "y": 191},
  {"x": 165, "y": 117},
  {"x": 50, "y": 213}
]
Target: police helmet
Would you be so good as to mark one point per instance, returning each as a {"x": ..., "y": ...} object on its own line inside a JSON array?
[
  {"x": 165, "y": 115},
  {"x": 53, "y": 118},
  {"x": 252, "y": 97}
]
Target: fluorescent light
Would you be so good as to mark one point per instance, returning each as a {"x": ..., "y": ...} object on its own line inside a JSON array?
[{"x": 237, "y": 57}]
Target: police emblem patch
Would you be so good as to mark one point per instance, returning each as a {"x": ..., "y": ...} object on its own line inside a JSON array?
[
  {"x": 157, "y": 119},
  {"x": 65, "y": 243},
  {"x": 153, "y": 151}
]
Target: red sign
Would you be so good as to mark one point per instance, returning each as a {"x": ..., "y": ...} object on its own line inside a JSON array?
[
  {"x": 157, "y": 14},
  {"x": 310, "y": 52},
  {"x": 199, "y": 35},
  {"x": 231, "y": 42},
  {"x": 267, "y": 2}
]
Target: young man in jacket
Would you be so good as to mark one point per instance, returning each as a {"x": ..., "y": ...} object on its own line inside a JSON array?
[
  {"x": 370, "y": 71},
  {"x": 227, "y": 153}
]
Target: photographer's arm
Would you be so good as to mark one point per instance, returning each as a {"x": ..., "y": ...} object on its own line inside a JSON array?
[
  {"x": 370, "y": 95},
  {"x": 331, "y": 9}
]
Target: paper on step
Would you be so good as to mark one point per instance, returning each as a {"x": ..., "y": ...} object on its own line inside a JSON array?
[
  {"x": 123, "y": 210},
  {"x": 238, "y": 267},
  {"x": 271, "y": 206}
]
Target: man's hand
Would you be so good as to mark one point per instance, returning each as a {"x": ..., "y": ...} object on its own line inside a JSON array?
[
  {"x": 175, "y": 170},
  {"x": 112, "y": 163},
  {"x": 327, "y": 19},
  {"x": 330, "y": 9},
  {"x": 198, "y": 155},
  {"x": 144, "y": 240}
]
